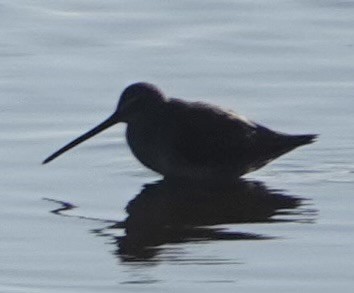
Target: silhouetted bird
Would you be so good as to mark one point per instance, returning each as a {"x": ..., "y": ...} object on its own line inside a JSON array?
[{"x": 191, "y": 139}]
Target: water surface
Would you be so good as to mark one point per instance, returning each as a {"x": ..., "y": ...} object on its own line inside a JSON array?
[{"x": 285, "y": 64}]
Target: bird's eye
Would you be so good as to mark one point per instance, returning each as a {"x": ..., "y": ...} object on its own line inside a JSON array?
[{"x": 128, "y": 103}]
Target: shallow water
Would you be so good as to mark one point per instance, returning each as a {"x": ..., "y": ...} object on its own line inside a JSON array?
[{"x": 285, "y": 64}]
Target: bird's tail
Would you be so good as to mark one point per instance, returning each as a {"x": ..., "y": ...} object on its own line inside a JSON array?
[
  {"x": 283, "y": 143},
  {"x": 278, "y": 144},
  {"x": 286, "y": 143},
  {"x": 298, "y": 140}
]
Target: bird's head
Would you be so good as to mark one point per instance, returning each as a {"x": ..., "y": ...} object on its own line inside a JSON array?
[{"x": 137, "y": 100}]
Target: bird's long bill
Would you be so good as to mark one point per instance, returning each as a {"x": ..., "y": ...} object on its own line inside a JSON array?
[{"x": 99, "y": 128}]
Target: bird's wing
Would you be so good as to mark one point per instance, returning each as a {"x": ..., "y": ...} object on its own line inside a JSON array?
[{"x": 208, "y": 136}]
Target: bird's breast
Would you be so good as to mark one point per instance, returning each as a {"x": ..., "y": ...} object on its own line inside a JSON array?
[{"x": 144, "y": 140}]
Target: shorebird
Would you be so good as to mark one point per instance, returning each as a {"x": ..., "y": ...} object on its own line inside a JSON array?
[{"x": 194, "y": 140}]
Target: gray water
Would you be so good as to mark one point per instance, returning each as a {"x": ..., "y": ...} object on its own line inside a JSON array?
[{"x": 286, "y": 64}]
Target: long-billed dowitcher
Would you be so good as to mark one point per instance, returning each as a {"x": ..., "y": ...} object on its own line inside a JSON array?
[{"x": 191, "y": 139}]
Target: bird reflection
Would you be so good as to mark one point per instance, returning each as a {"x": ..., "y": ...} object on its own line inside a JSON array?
[{"x": 173, "y": 211}]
